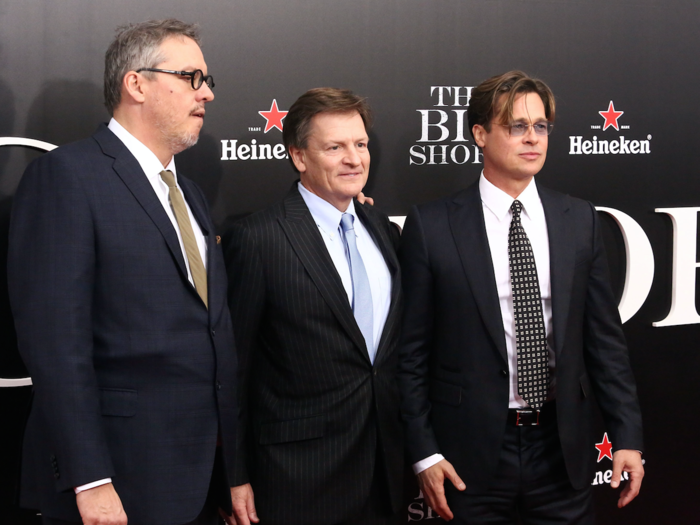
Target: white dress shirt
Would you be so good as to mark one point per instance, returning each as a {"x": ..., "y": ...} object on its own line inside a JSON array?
[
  {"x": 497, "y": 216},
  {"x": 327, "y": 218},
  {"x": 152, "y": 167}
]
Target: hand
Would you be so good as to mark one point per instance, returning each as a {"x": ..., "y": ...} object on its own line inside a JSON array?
[
  {"x": 101, "y": 506},
  {"x": 363, "y": 199},
  {"x": 627, "y": 461},
  {"x": 431, "y": 482},
  {"x": 243, "y": 506}
]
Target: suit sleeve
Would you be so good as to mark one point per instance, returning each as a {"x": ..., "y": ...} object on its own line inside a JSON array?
[
  {"x": 246, "y": 302},
  {"x": 416, "y": 340},
  {"x": 607, "y": 359},
  {"x": 51, "y": 268}
]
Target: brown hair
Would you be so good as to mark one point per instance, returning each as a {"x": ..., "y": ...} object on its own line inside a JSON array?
[
  {"x": 136, "y": 46},
  {"x": 297, "y": 123},
  {"x": 483, "y": 104}
]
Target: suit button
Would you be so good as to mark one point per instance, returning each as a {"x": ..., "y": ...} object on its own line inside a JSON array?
[
  {"x": 504, "y": 373},
  {"x": 218, "y": 385},
  {"x": 213, "y": 333},
  {"x": 375, "y": 371}
]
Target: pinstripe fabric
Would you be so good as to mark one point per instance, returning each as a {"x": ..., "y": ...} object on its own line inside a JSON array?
[{"x": 314, "y": 409}]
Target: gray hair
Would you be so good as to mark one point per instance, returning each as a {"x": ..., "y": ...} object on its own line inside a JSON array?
[{"x": 136, "y": 46}]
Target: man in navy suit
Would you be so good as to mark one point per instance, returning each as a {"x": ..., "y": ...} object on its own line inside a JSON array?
[
  {"x": 510, "y": 326},
  {"x": 117, "y": 285}
]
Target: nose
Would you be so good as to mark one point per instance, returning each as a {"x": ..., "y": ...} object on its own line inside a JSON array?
[
  {"x": 530, "y": 136},
  {"x": 205, "y": 94},
  {"x": 353, "y": 157}
]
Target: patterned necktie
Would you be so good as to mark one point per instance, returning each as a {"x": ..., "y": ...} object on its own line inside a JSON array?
[
  {"x": 361, "y": 293},
  {"x": 199, "y": 274},
  {"x": 530, "y": 335}
]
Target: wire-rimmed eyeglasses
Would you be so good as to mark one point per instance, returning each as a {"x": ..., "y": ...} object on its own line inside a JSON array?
[{"x": 541, "y": 128}]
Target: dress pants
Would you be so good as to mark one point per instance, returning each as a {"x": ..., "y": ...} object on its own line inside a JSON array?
[
  {"x": 377, "y": 510},
  {"x": 531, "y": 486}
]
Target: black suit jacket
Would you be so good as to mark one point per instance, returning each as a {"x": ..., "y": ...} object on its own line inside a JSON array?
[
  {"x": 314, "y": 409},
  {"x": 453, "y": 367},
  {"x": 133, "y": 376}
]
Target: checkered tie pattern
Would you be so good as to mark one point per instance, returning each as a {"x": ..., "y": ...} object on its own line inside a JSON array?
[{"x": 530, "y": 335}]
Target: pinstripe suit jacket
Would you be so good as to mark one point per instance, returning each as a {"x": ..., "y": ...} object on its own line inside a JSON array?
[{"x": 314, "y": 408}]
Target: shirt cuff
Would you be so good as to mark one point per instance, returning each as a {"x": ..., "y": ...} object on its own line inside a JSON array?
[
  {"x": 92, "y": 485},
  {"x": 420, "y": 466}
]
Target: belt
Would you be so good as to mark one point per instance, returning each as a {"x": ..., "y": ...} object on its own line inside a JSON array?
[{"x": 528, "y": 417}]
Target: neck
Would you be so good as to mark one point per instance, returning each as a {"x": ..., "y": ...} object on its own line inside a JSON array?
[
  {"x": 513, "y": 187},
  {"x": 145, "y": 134}
]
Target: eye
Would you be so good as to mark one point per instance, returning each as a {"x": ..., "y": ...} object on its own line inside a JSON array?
[
  {"x": 540, "y": 128},
  {"x": 519, "y": 127},
  {"x": 361, "y": 144}
]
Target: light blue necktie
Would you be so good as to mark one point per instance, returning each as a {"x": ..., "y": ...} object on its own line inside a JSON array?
[{"x": 361, "y": 292}]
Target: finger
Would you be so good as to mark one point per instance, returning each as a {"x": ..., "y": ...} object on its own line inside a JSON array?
[
  {"x": 240, "y": 514},
  {"x": 252, "y": 514},
  {"x": 369, "y": 200},
  {"x": 616, "y": 473},
  {"x": 451, "y": 474},
  {"x": 437, "y": 501},
  {"x": 632, "y": 489}
]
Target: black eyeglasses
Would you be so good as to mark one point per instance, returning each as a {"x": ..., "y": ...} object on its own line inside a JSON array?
[
  {"x": 197, "y": 77},
  {"x": 518, "y": 129}
]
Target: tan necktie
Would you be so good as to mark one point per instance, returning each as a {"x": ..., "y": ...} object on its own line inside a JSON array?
[{"x": 199, "y": 274}]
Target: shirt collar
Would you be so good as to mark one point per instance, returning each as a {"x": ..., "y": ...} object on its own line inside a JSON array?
[
  {"x": 326, "y": 216},
  {"x": 148, "y": 161},
  {"x": 499, "y": 202}
]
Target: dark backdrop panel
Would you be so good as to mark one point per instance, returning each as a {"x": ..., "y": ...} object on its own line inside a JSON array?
[{"x": 409, "y": 57}]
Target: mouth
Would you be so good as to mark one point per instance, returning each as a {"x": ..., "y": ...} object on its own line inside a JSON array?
[
  {"x": 530, "y": 155},
  {"x": 198, "y": 113}
]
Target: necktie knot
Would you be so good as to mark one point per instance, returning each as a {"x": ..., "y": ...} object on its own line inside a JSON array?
[
  {"x": 515, "y": 209},
  {"x": 168, "y": 178},
  {"x": 347, "y": 222}
]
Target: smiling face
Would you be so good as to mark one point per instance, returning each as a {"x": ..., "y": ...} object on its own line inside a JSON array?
[
  {"x": 335, "y": 162},
  {"x": 175, "y": 110},
  {"x": 509, "y": 159}
]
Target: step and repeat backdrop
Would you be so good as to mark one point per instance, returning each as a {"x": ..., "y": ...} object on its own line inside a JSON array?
[{"x": 626, "y": 80}]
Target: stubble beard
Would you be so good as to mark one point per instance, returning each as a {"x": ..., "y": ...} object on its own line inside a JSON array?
[{"x": 166, "y": 123}]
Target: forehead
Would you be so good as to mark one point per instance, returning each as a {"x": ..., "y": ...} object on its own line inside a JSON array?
[
  {"x": 528, "y": 106},
  {"x": 332, "y": 124},
  {"x": 182, "y": 52}
]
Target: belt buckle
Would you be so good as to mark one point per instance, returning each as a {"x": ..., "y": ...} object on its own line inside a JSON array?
[{"x": 527, "y": 412}]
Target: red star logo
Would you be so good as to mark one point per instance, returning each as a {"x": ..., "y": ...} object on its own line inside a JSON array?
[
  {"x": 274, "y": 117},
  {"x": 604, "y": 448},
  {"x": 611, "y": 117}
]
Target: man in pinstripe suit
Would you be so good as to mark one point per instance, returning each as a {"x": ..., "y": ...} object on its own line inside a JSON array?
[{"x": 317, "y": 340}]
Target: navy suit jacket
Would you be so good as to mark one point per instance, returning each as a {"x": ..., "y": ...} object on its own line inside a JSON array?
[
  {"x": 316, "y": 414},
  {"x": 453, "y": 363},
  {"x": 133, "y": 375}
]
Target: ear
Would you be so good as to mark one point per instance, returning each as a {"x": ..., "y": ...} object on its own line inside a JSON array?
[
  {"x": 298, "y": 158},
  {"x": 479, "y": 135},
  {"x": 133, "y": 86}
]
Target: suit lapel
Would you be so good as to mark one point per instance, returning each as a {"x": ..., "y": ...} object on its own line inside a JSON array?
[
  {"x": 129, "y": 170},
  {"x": 216, "y": 292},
  {"x": 386, "y": 248},
  {"x": 302, "y": 233},
  {"x": 562, "y": 257},
  {"x": 466, "y": 218}
]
